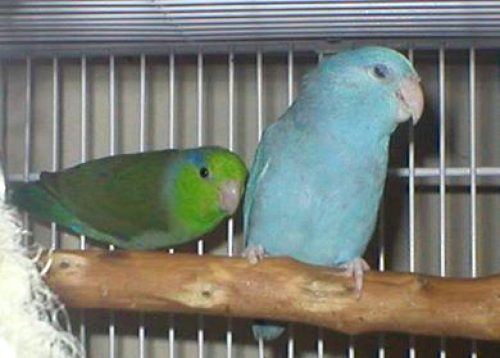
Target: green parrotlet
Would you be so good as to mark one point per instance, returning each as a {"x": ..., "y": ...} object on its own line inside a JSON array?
[{"x": 140, "y": 201}]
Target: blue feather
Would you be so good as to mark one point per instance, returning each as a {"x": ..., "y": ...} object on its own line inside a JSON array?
[{"x": 319, "y": 172}]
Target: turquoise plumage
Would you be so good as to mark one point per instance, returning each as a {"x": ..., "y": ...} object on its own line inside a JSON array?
[{"x": 318, "y": 174}]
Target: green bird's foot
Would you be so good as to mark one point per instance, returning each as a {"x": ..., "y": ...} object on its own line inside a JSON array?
[
  {"x": 254, "y": 254},
  {"x": 356, "y": 269}
]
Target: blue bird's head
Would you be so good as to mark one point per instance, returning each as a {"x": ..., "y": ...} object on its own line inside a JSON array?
[{"x": 374, "y": 86}]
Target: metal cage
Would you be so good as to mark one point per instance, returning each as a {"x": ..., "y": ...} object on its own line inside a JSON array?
[{"x": 85, "y": 79}]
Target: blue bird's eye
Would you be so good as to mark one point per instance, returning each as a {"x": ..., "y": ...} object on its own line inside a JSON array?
[
  {"x": 380, "y": 71},
  {"x": 204, "y": 172}
]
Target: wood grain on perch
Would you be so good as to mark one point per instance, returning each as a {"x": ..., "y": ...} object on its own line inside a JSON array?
[{"x": 278, "y": 289}]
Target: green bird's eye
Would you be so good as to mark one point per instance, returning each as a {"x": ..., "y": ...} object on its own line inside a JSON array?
[{"x": 204, "y": 173}]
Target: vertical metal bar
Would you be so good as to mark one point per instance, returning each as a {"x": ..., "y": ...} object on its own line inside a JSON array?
[
  {"x": 381, "y": 267},
  {"x": 260, "y": 124},
  {"x": 291, "y": 331},
  {"x": 411, "y": 204},
  {"x": 28, "y": 120},
  {"x": 3, "y": 130},
  {"x": 320, "y": 56},
  {"x": 442, "y": 164},
  {"x": 230, "y": 222},
  {"x": 473, "y": 183},
  {"x": 83, "y": 158},
  {"x": 142, "y": 113},
  {"x": 112, "y": 151},
  {"x": 112, "y": 106},
  {"x": 171, "y": 100},
  {"x": 442, "y": 176},
  {"x": 320, "y": 341},
  {"x": 261, "y": 348},
  {"x": 290, "y": 76},
  {"x": 142, "y": 147},
  {"x": 320, "y": 344},
  {"x": 230, "y": 229},
  {"x": 55, "y": 137},
  {"x": 3, "y": 119},
  {"x": 381, "y": 231},
  {"x": 472, "y": 120},
  {"x": 351, "y": 351},
  {"x": 411, "y": 186},
  {"x": 199, "y": 122},
  {"x": 84, "y": 110},
  {"x": 171, "y": 142},
  {"x": 27, "y": 139},
  {"x": 201, "y": 332},
  {"x": 381, "y": 220}
]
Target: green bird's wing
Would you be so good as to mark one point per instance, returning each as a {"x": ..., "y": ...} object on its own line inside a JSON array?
[{"x": 114, "y": 200}]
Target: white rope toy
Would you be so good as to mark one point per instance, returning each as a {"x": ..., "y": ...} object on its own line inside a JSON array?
[{"x": 33, "y": 322}]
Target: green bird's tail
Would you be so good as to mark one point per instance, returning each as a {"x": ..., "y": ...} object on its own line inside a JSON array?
[
  {"x": 33, "y": 198},
  {"x": 40, "y": 203}
]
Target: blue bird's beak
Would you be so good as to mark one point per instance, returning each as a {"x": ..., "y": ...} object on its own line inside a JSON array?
[{"x": 411, "y": 99}]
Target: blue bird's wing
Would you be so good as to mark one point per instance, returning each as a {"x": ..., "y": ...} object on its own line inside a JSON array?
[{"x": 260, "y": 160}]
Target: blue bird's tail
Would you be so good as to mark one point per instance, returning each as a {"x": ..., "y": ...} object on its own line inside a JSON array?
[{"x": 266, "y": 330}]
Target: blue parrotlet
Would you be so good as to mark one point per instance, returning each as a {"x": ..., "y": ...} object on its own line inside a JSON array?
[{"x": 318, "y": 175}]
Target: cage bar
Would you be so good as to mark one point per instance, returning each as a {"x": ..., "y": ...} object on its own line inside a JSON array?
[
  {"x": 473, "y": 174},
  {"x": 260, "y": 128},
  {"x": 381, "y": 267},
  {"x": 142, "y": 147},
  {"x": 83, "y": 158},
  {"x": 261, "y": 348},
  {"x": 411, "y": 209},
  {"x": 199, "y": 134},
  {"x": 112, "y": 151},
  {"x": 112, "y": 107},
  {"x": 28, "y": 119},
  {"x": 171, "y": 100},
  {"x": 320, "y": 345},
  {"x": 442, "y": 176},
  {"x": 230, "y": 222},
  {"x": 260, "y": 121},
  {"x": 3, "y": 117},
  {"x": 291, "y": 330},
  {"x": 171, "y": 143},
  {"x": 55, "y": 137}
]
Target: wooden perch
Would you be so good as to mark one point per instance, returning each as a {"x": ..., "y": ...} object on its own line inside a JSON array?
[{"x": 278, "y": 289}]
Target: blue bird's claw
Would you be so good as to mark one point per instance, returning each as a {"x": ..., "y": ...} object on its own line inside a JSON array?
[
  {"x": 254, "y": 254},
  {"x": 356, "y": 269}
]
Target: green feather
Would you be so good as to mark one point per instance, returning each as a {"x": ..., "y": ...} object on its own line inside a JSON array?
[{"x": 140, "y": 201}]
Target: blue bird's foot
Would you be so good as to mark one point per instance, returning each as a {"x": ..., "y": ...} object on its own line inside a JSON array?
[
  {"x": 356, "y": 268},
  {"x": 254, "y": 254},
  {"x": 266, "y": 331}
]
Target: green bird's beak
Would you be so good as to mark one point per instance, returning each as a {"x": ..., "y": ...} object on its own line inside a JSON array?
[{"x": 229, "y": 196}]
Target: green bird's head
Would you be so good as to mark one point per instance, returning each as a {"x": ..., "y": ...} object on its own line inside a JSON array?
[{"x": 208, "y": 187}]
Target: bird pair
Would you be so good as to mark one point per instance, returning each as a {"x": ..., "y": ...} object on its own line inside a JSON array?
[{"x": 313, "y": 191}]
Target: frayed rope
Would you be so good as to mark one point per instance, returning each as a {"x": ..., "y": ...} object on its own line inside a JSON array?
[{"x": 33, "y": 322}]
